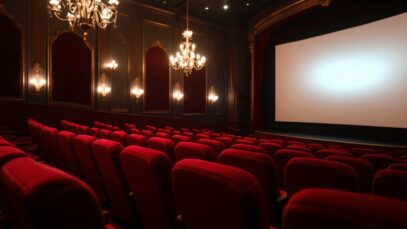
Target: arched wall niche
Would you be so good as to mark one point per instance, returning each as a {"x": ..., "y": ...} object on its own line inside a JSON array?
[
  {"x": 71, "y": 70},
  {"x": 11, "y": 58},
  {"x": 156, "y": 80},
  {"x": 195, "y": 88}
]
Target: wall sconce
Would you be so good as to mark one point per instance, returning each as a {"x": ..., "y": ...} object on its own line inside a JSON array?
[
  {"x": 137, "y": 91},
  {"x": 212, "y": 97},
  {"x": 177, "y": 94},
  {"x": 104, "y": 88},
  {"x": 112, "y": 65},
  {"x": 36, "y": 80}
]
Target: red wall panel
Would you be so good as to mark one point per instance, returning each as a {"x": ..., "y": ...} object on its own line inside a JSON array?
[{"x": 195, "y": 92}]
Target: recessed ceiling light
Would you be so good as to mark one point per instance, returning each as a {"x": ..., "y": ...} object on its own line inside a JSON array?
[
  {"x": 226, "y": 7},
  {"x": 247, "y": 3},
  {"x": 206, "y": 7}
]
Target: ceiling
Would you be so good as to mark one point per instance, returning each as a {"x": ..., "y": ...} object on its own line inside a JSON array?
[{"x": 238, "y": 10}]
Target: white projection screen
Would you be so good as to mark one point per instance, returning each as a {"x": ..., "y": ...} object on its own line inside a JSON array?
[{"x": 356, "y": 76}]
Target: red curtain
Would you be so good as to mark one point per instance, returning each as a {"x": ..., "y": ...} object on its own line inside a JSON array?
[
  {"x": 262, "y": 41},
  {"x": 157, "y": 81}
]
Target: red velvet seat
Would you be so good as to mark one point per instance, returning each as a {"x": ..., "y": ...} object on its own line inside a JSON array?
[
  {"x": 188, "y": 134},
  {"x": 215, "y": 196},
  {"x": 323, "y": 209},
  {"x": 398, "y": 166},
  {"x": 300, "y": 147},
  {"x": 228, "y": 141},
  {"x": 391, "y": 183},
  {"x": 148, "y": 174},
  {"x": 314, "y": 147},
  {"x": 4, "y": 142},
  {"x": 82, "y": 148},
  {"x": 107, "y": 155},
  {"x": 105, "y": 134},
  {"x": 358, "y": 152},
  {"x": 151, "y": 128},
  {"x": 180, "y": 138},
  {"x": 294, "y": 142},
  {"x": 164, "y": 145},
  {"x": 323, "y": 153},
  {"x": 147, "y": 133},
  {"x": 162, "y": 135},
  {"x": 302, "y": 173},
  {"x": 39, "y": 196},
  {"x": 363, "y": 168},
  {"x": 278, "y": 141},
  {"x": 216, "y": 145},
  {"x": 204, "y": 136},
  {"x": 380, "y": 161},
  {"x": 120, "y": 137},
  {"x": 185, "y": 150},
  {"x": 270, "y": 147},
  {"x": 94, "y": 131},
  {"x": 8, "y": 153},
  {"x": 252, "y": 139},
  {"x": 136, "y": 139},
  {"x": 243, "y": 141},
  {"x": 253, "y": 148},
  {"x": 262, "y": 167},
  {"x": 281, "y": 159},
  {"x": 65, "y": 139}
]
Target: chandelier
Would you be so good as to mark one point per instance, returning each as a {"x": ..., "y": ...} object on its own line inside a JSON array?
[
  {"x": 85, "y": 14},
  {"x": 186, "y": 59}
]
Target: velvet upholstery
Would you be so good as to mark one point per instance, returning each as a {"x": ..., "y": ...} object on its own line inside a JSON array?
[
  {"x": 164, "y": 145},
  {"x": 39, "y": 196},
  {"x": 380, "y": 161},
  {"x": 185, "y": 150},
  {"x": 270, "y": 147},
  {"x": 82, "y": 147},
  {"x": 216, "y": 145},
  {"x": 302, "y": 173},
  {"x": 322, "y": 209},
  {"x": 363, "y": 168},
  {"x": 253, "y": 148},
  {"x": 282, "y": 157},
  {"x": 323, "y": 153},
  {"x": 391, "y": 183},
  {"x": 65, "y": 142},
  {"x": 107, "y": 156},
  {"x": 211, "y": 195},
  {"x": 136, "y": 139},
  {"x": 148, "y": 173},
  {"x": 120, "y": 137}
]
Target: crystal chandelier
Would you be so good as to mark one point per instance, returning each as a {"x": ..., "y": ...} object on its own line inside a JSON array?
[
  {"x": 85, "y": 14},
  {"x": 186, "y": 59}
]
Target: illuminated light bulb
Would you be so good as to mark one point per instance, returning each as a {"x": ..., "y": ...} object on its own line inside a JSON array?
[
  {"x": 104, "y": 90},
  {"x": 137, "y": 92},
  {"x": 54, "y": 2},
  {"x": 112, "y": 65},
  {"x": 105, "y": 14},
  {"x": 114, "y": 2}
]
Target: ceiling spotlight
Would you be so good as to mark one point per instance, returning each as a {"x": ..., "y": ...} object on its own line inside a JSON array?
[
  {"x": 226, "y": 7},
  {"x": 247, "y": 3},
  {"x": 164, "y": 2},
  {"x": 206, "y": 7}
]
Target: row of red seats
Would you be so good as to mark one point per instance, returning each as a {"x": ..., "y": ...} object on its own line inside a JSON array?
[
  {"x": 34, "y": 195},
  {"x": 188, "y": 150}
]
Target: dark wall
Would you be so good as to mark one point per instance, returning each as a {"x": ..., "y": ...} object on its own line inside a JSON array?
[
  {"x": 341, "y": 15},
  {"x": 139, "y": 27}
]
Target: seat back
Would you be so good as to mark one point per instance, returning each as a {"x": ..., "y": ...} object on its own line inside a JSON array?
[
  {"x": 391, "y": 183},
  {"x": 260, "y": 166},
  {"x": 136, "y": 139},
  {"x": 323, "y": 153},
  {"x": 380, "y": 161},
  {"x": 270, "y": 147},
  {"x": 148, "y": 174},
  {"x": 281, "y": 159},
  {"x": 39, "y": 196},
  {"x": 363, "y": 168},
  {"x": 398, "y": 166},
  {"x": 216, "y": 145},
  {"x": 107, "y": 156},
  {"x": 164, "y": 145},
  {"x": 322, "y": 209},
  {"x": 358, "y": 152},
  {"x": 105, "y": 134},
  {"x": 246, "y": 147},
  {"x": 185, "y": 150},
  {"x": 82, "y": 148},
  {"x": 65, "y": 139},
  {"x": 120, "y": 137},
  {"x": 211, "y": 195},
  {"x": 177, "y": 138},
  {"x": 304, "y": 173}
]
